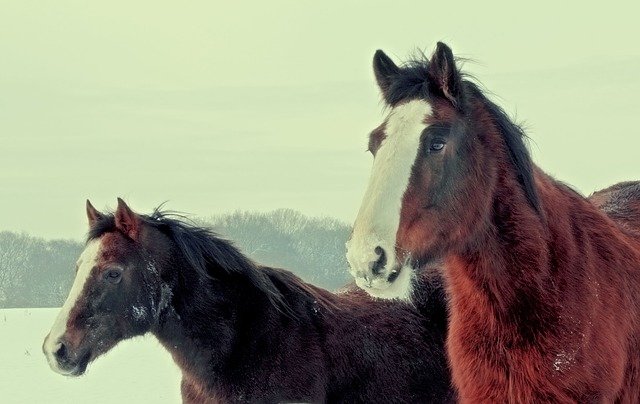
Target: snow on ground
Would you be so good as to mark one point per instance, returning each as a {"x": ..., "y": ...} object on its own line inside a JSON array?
[{"x": 136, "y": 371}]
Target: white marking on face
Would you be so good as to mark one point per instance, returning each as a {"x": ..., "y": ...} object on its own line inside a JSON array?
[
  {"x": 379, "y": 216},
  {"x": 86, "y": 262}
]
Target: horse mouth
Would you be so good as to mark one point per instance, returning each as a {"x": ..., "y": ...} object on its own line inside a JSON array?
[
  {"x": 72, "y": 369},
  {"x": 395, "y": 273},
  {"x": 395, "y": 284},
  {"x": 75, "y": 372},
  {"x": 383, "y": 277}
]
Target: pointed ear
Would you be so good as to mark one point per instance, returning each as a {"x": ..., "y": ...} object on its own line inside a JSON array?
[
  {"x": 92, "y": 214},
  {"x": 443, "y": 73},
  {"x": 127, "y": 221},
  {"x": 385, "y": 70}
]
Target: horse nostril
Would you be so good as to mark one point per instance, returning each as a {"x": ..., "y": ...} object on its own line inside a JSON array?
[
  {"x": 378, "y": 265},
  {"x": 60, "y": 351}
]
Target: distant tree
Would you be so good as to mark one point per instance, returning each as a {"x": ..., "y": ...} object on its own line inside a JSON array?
[
  {"x": 313, "y": 248},
  {"x": 35, "y": 272},
  {"x": 54, "y": 269},
  {"x": 14, "y": 256}
]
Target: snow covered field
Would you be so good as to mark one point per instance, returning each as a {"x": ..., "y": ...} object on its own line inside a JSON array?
[{"x": 136, "y": 371}]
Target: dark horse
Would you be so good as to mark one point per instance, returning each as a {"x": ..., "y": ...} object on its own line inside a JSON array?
[
  {"x": 621, "y": 202},
  {"x": 241, "y": 332},
  {"x": 543, "y": 286}
]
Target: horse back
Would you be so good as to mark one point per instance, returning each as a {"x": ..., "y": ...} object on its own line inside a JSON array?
[{"x": 621, "y": 202}]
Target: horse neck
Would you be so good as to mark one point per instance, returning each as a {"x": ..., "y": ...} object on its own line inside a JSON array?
[
  {"x": 218, "y": 342},
  {"x": 517, "y": 261},
  {"x": 506, "y": 258},
  {"x": 199, "y": 327}
]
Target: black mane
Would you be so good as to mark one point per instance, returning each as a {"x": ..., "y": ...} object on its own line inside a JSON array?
[
  {"x": 204, "y": 250},
  {"x": 515, "y": 138},
  {"x": 412, "y": 82}
]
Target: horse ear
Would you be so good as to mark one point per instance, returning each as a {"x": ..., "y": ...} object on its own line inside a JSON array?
[
  {"x": 127, "y": 221},
  {"x": 92, "y": 214},
  {"x": 385, "y": 70},
  {"x": 444, "y": 74}
]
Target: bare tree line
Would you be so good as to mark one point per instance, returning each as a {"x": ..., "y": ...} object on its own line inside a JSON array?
[{"x": 35, "y": 272}]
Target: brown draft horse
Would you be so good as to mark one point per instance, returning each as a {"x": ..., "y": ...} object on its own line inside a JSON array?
[
  {"x": 241, "y": 332},
  {"x": 543, "y": 287}
]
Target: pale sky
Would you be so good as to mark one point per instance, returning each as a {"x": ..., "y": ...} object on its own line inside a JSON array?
[{"x": 217, "y": 106}]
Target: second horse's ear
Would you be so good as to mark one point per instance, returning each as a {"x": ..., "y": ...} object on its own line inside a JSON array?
[
  {"x": 92, "y": 214},
  {"x": 127, "y": 221},
  {"x": 444, "y": 76},
  {"x": 385, "y": 71}
]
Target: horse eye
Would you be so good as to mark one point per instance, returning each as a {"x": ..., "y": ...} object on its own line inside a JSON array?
[
  {"x": 113, "y": 275},
  {"x": 436, "y": 146}
]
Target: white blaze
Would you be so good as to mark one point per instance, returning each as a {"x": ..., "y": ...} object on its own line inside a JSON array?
[
  {"x": 86, "y": 262},
  {"x": 379, "y": 216}
]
